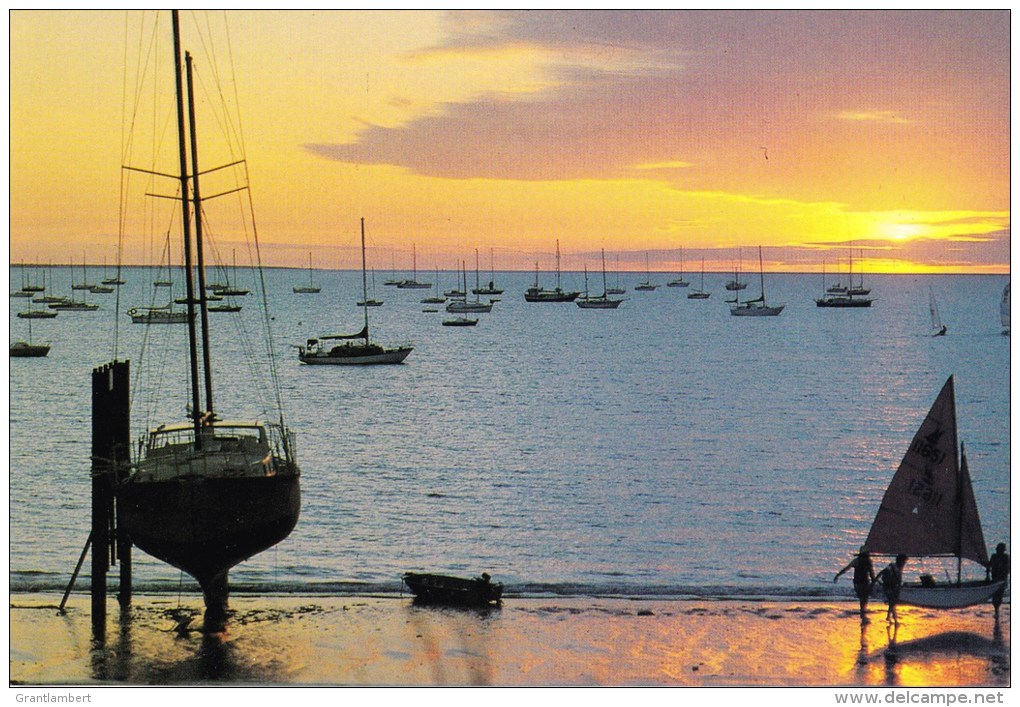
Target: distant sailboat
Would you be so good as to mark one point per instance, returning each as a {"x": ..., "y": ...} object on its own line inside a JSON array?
[
  {"x": 756, "y": 307},
  {"x": 413, "y": 283},
  {"x": 937, "y": 327},
  {"x": 462, "y": 305},
  {"x": 736, "y": 284},
  {"x": 540, "y": 294},
  {"x": 491, "y": 288},
  {"x": 436, "y": 298},
  {"x": 840, "y": 297},
  {"x": 311, "y": 288},
  {"x": 603, "y": 301},
  {"x": 349, "y": 353},
  {"x": 700, "y": 293},
  {"x": 680, "y": 281},
  {"x": 647, "y": 285},
  {"x": 27, "y": 349}
]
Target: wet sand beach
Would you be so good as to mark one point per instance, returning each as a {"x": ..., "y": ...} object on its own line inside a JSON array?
[{"x": 577, "y": 641}]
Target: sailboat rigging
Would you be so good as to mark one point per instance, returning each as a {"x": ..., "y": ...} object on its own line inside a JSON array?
[
  {"x": 348, "y": 352},
  {"x": 206, "y": 494}
]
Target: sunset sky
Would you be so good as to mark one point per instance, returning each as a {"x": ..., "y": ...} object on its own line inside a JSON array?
[{"x": 635, "y": 132}]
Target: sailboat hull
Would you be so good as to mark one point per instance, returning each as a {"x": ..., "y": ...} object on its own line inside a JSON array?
[
  {"x": 746, "y": 310},
  {"x": 204, "y": 526},
  {"x": 947, "y": 596},
  {"x": 355, "y": 355}
]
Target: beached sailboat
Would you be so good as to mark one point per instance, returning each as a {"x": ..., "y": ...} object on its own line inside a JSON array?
[
  {"x": 311, "y": 288},
  {"x": 929, "y": 510},
  {"x": 756, "y": 307},
  {"x": 700, "y": 292},
  {"x": 540, "y": 294},
  {"x": 603, "y": 301},
  {"x": 937, "y": 327},
  {"x": 206, "y": 494},
  {"x": 457, "y": 591},
  {"x": 352, "y": 349}
]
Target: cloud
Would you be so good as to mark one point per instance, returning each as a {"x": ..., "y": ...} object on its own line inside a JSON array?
[
  {"x": 675, "y": 164},
  {"x": 873, "y": 116}
]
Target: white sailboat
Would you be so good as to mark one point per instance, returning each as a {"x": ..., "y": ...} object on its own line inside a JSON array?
[
  {"x": 311, "y": 288},
  {"x": 937, "y": 327},
  {"x": 736, "y": 283},
  {"x": 352, "y": 349},
  {"x": 929, "y": 510},
  {"x": 756, "y": 307}
]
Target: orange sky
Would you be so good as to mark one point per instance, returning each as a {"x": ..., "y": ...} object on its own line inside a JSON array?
[{"x": 639, "y": 133}]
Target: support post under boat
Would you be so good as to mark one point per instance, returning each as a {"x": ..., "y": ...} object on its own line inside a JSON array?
[{"x": 111, "y": 439}]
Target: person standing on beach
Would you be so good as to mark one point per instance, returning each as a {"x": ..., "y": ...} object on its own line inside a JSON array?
[
  {"x": 892, "y": 579},
  {"x": 864, "y": 577},
  {"x": 998, "y": 569}
]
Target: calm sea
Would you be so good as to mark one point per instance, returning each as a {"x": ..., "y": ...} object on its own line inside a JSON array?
[{"x": 664, "y": 448}]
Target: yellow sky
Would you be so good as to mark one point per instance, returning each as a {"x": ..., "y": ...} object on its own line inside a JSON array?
[{"x": 637, "y": 133}]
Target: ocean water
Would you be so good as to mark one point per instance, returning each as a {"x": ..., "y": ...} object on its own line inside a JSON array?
[{"x": 665, "y": 448}]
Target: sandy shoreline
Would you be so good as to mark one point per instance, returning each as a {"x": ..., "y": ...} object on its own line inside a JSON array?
[{"x": 387, "y": 641}]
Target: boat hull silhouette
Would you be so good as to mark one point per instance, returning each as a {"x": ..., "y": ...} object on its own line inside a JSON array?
[{"x": 204, "y": 526}]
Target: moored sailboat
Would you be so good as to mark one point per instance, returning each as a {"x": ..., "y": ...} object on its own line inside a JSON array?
[
  {"x": 929, "y": 510},
  {"x": 347, "y": 352},
  {"x": 311, "y": 288},
  {"x": 540, "y": 294},
  {"x": 756, "y": 307},
  {"x": 603, "y": 301}
]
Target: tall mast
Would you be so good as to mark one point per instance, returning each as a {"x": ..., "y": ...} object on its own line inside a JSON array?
[
  {"x": 364, "y": 278},
  {"x": 196, "y": 197},
  {"x": 186, "y": 226},
  {"x": 605, "y": 289},
  {"x": 557, "y": 263},
  {"x": 761, "y": 270}
]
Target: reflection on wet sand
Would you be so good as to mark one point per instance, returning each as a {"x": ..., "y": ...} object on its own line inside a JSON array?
[{"x": 367, "y": 640}]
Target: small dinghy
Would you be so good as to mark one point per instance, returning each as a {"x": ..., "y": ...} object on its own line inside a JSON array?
[{"x": 460, "y": 591}]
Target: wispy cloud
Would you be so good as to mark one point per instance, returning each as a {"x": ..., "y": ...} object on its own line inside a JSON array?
[
  {"x": 873, "y": 116},
  {"x": 673, "y": 164}
]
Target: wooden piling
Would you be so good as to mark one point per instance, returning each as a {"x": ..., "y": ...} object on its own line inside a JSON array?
[{"x": 111, "y": 440}]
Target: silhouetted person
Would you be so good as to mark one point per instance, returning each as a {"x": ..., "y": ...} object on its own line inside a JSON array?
[
  {"x": 892, "y": 579},
  {"x": 998, "y": 570},
  {"x": 864, "y": 577}
]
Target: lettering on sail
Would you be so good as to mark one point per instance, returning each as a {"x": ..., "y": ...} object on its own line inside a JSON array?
[{"x": 924, "y": 488}]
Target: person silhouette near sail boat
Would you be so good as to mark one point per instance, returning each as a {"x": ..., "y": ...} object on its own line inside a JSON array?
[
  {"x": 998, "y": 570},
  {"x": 864, "y": 577},
  {"x": 892, "y": 579}
]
